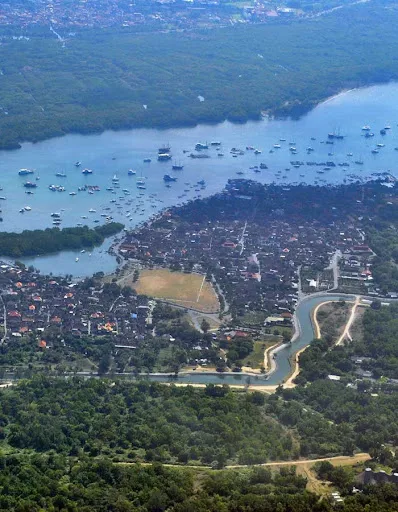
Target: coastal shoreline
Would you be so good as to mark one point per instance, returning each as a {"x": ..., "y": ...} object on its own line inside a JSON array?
[{"x": 263, "y": 116}]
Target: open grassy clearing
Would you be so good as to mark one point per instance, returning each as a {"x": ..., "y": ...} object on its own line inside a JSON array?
[
  {"x": 255, "y": 359},
  {"x": 332, "y": 317},
  {"x": 356, "y": 330},
  {"x": 187, "y": 290}
]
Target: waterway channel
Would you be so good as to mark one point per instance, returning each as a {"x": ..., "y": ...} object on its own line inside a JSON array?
[
  {"x": 283, "y": 356},
  {"x": 114, "y": 153}
]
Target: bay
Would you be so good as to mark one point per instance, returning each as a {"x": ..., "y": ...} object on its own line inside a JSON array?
[{"x": 114, "y": 153}]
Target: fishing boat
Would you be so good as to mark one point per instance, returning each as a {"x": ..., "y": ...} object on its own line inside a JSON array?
[
  {"x": 164, "y": 149},
  {"x": 87, "y": 171},
  {"x": 78, "y": 164},
  {"x": 164, "y": 157},
  {"x": 25, "y": 172},
  {"x": 131, "y": 172},
  {"x": 60, "y": 174},
  {"x": 200, "y": 146},
  {"x": 366, "y": 128},
  {"x": 29, "y": 184},
  {"x": 167, "y": 178},
  {"x": 115, "y": 179},
  {"x": 177, "y": 167}
]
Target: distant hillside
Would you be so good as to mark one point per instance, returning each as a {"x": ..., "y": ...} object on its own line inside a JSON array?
[{"x": 119, "y": 79}]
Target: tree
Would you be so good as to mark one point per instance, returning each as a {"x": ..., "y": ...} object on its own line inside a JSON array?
[
  {"x": 104, "y": 364},
  {"x": 204, "y": 325}
]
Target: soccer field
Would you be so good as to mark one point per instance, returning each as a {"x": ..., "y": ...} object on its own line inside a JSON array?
[{"x": 188, "y": 290}]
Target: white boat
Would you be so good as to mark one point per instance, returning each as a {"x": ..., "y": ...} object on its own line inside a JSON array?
[
  {"x": 115, "y": 178},
  {"x": 28, "y": 208},
  {"x": 91, "y": 210},
  {"x": 77, "y": 259},
  {"x": 25, "y": 172},
  {"x": 82, "y": 251},
  {"x": 277, "y": 146},
  {"x": 131, "y": 172},
  {"x": 366, "y": 128},
  {"x": 72, "y": 193}
]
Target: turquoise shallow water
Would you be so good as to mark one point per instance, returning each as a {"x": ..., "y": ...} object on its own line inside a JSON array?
[{"x": 113, "y": 153}]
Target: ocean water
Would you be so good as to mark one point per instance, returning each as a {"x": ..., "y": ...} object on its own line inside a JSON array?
[{"x": 114, "y": 153}]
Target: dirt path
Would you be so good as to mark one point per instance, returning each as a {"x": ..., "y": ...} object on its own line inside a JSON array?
[
  {"x": 317, "y": 332},
  {"x": 268, "y": 362},
  {"x": 289, "y": 384},
  {"x": 346, "y": 332},
  {"x": 317, "y": 328},
  {"x": 339, "y": 460}
]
